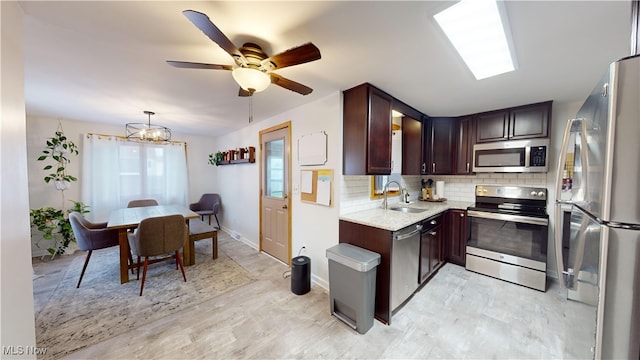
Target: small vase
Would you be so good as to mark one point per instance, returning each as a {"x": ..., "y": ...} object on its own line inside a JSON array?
[{"x": 62, "y": 185}]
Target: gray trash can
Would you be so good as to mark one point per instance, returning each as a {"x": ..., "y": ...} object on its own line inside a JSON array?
[{"x": 352, "y": 285}]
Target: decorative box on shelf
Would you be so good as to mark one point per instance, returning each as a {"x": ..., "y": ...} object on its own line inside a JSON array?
[{"x": 238, "y": 156}]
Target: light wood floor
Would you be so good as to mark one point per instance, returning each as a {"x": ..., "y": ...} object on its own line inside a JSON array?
[{"x": 458, "y": 314}]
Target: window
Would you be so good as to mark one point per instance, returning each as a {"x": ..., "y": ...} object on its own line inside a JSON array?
[
  {"x": 116, "y": 171},
  {"x": 480, "y": 33}
]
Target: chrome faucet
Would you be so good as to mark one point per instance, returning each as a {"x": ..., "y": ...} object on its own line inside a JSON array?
[{"x": 385, "y": 189}]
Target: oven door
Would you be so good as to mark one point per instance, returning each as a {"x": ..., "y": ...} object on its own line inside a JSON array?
[{"x": 516, "y": 236}]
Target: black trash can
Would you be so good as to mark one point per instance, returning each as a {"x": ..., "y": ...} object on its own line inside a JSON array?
[{"x": 300, "y": 275}]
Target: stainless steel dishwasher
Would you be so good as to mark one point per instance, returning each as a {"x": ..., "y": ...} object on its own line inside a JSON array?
[{"x": 405, "y": 261}]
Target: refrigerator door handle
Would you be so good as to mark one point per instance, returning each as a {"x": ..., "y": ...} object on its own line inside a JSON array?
[
  {"x": 563, "y": 157},
  {"x": 558, "y": 212},
  {"x": 584, "y": 156},
  {"x": 559, "y": 224}
]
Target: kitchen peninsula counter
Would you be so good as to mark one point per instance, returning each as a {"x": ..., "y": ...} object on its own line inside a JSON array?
[
  {"x": 373, "y": 230},
  {"x": 393, "y": 220}
]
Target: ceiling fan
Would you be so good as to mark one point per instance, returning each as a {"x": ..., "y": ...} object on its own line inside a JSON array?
[{"x": 254, "y": 69}]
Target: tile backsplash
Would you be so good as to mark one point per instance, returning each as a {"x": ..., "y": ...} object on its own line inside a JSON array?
[{"x": 355, "y": 192}]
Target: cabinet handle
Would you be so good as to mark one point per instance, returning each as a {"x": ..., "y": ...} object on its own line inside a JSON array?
[
  {"x": 433, "y": 222},
  {"x": 468, "y": 167},
  {"x": 424, "y": 167},
  {"x": 433, "y": 168},
  {"x": 461, "y": 215},
  {"x": 433, "y": 233}
]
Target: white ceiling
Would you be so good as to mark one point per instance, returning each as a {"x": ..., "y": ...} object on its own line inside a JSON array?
[{"x": 105, "y": 61}]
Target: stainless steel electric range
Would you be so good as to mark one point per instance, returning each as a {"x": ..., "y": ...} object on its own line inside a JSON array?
[{"x": 508, "y": 231}]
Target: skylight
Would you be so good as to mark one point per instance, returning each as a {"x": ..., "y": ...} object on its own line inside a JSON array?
[{"x": 477, "y": 31}]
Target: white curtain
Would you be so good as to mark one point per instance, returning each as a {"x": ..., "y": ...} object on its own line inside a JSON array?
[{"x": 116, "y": 171}]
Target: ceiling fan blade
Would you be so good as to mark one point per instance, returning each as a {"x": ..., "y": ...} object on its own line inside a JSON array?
[
  {"x": 202, "y": 22},
  {"x": 243, "y": 92},
  {"x": 290, "y": 84},
  {"x": 294, "y": 56},
  {"x": 193, "y": 65}
]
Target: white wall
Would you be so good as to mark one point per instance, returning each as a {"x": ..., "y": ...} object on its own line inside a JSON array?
[
  {"x": 201, "y": 174},
  {"x": 16, "y": 302},
  {"x": 314, "y": 226}
]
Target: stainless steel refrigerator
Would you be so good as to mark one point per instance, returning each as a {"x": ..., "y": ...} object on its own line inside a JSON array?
[{"x": 597, "y": 227}]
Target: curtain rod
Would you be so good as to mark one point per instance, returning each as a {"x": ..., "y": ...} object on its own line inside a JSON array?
[{"x": 140, "y": 141}]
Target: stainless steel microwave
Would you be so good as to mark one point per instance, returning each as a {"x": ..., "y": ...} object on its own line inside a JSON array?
[{"x": 511, "y": 156}]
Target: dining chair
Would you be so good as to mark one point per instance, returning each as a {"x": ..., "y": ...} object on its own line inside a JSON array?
[
  {"x": 92, "y": 236},
  {"x": 142, "y": 203},
  {"x": 161, "y": 238},
  {"x": 209, "y": 204}
]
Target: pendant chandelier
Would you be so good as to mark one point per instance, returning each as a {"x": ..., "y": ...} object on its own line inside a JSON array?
[{"x": 148, "y": 132}]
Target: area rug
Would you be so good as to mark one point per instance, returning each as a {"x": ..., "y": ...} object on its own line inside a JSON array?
[{"x": 102, "y": 307}]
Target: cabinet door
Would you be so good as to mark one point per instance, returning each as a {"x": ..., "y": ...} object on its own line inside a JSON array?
[
  {"x": 366, "y": 129},
  {"x": 425, "y": 249},
  {"x": 456, "y": 238},
  {"x": 441, "y": 146},
  {"x": 493, "y": 126},
  {"x": 431, "y": 247},
  {"x": 435, "y": 254},
  {"x": 412, "y": 163},
  {"x": 379, "y": 130},
  {"x": 465, "y": 139},
  {"x": 531, "y": 121}
]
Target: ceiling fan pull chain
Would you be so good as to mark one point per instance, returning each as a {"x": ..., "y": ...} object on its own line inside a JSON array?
[{"x": 251, "y": 108}]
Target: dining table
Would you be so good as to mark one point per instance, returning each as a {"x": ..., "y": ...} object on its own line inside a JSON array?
[{"x": 129, "y": 218}]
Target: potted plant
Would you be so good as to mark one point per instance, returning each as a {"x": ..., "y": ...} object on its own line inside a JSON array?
[
  {"x": 58, "y": 149},
  {"x": 54, "y": 226},
  {"x": 215, "y": 159},
  {"x": 53, "y": 223}
]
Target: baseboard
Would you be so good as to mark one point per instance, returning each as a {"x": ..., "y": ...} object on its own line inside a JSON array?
[{"x": 241, "y": 238}]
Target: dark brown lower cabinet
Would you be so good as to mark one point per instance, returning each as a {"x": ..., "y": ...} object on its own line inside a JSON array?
[
  {"x": 456, "y": 244},
  {"x": 431, "y": 247}
]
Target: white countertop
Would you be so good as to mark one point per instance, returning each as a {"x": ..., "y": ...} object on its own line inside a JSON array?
[{"x": 395, "y": 220}]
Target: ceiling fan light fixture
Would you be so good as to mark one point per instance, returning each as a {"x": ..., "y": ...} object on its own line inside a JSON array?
[
  {"x": 148, "y": 132},
  {"x": 252, "y": 80}
]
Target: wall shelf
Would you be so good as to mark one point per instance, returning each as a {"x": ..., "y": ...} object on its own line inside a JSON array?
[{"x": 243, "y": 157}]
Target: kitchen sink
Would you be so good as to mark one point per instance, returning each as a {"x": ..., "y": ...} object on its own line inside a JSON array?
[{"x": 407, "y": 209}]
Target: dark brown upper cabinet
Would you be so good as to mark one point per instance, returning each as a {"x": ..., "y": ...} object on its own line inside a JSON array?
[
  {"x": 465, "y": 139},
  {"x": 440, "y": 145},
  {"x": 412, "y": 162},
  {"x": 366, "y": 131},
  {"x": 522, "y": 122}
]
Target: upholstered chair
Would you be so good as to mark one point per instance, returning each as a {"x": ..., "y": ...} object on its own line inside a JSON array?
[
  {"x": 142, "y": 203},
  {"x": 92, "y": 236},
  {"x": 208, "y": 205},
  {"x": 161, "y": 238}
]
